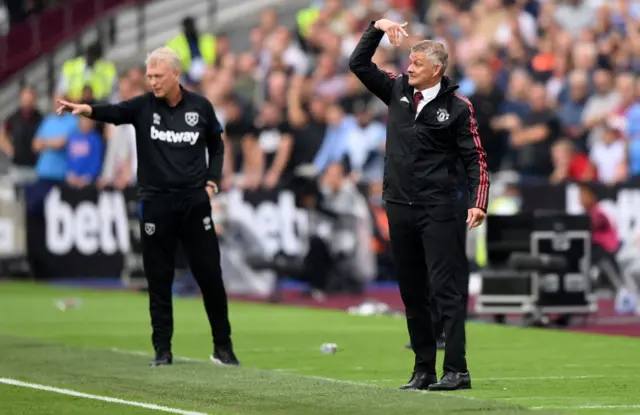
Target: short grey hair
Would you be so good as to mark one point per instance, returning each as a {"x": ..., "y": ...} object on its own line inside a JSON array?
[
  {"x": 164, "y": 54},
  {"x": 435, "y": 52}
]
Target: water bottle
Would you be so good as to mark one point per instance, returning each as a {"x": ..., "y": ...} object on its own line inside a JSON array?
[{"x": 329, "y": 348}]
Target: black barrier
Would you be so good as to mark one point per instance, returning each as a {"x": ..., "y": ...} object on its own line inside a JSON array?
[
  {"x": 95, "y": 233},
  {"x": 75, "y": 233},
  {"x": 620, "y": 202}
]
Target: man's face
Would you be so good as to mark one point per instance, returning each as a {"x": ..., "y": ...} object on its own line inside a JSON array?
[
  {"x": 538, "y": 98},
  {"x": 334, "y": 115},
  {"x": 602, "y": 81},
  {"x": 27, "y": 98},
  {"x": 579, "y": 89},
  {"x": 318, "y": 110},
  {"x": 421, "y": 70},
  {"x": 483, "y": 77},
  {"x": 162, "y": 78}
]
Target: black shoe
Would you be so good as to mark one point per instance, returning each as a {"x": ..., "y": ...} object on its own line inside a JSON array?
[
  {"x": 420, "y": 381},
  {"x": 452, "y": 381},
  {"x": 163, "y": 358},
  {"x": 224, "y": 356}
]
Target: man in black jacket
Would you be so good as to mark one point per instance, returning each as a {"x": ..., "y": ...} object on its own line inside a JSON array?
[
  {"x": 430, "y": 127},
  {"x": 175, "y": 130}
]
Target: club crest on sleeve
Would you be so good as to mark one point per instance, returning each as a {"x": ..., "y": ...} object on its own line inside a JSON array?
[
  {"x": 442, "y": 115},
  {"x": 191, "y": 118},
  {"x": 149, "y": 228}
]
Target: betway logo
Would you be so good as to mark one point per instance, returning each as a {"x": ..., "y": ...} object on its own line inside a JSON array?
[{"x": 174, "y": 137}]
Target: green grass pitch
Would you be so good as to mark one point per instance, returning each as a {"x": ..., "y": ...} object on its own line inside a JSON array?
[{"x": 102, "y": 349}]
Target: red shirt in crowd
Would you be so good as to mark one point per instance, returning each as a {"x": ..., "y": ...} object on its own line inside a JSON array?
[
  {"x": 581, "y": 168},
  {"x": 602, "y": 231}
]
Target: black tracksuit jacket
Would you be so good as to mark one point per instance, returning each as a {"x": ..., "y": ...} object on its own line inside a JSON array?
[
  {"x": 422, "y": 155},
  {"x": 171, "y": 143}
]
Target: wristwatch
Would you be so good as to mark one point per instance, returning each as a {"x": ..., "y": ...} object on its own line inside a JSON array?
[{"x": 213, "y": 187}]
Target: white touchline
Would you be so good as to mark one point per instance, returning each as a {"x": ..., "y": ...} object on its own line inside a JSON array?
[{"x": 70, "y": 392}]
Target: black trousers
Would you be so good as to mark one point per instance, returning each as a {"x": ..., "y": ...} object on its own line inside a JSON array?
[
  {"x": 425, "y": 247},
  {"x": 462, "y": 265},
  {"x": 163, "y": 224}
]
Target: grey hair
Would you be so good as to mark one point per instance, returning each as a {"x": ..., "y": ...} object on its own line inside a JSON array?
[
  {"x": 164, "y": 54},
  {"x": 435, "y": 52}
]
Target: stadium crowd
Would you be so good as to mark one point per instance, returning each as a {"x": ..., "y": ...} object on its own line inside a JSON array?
[{"x": 554, "y": 85}]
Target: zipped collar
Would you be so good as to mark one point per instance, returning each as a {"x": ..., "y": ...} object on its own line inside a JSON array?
[
  {"x": 447, "y": 86},
  {"x": 183, "y": 94}
]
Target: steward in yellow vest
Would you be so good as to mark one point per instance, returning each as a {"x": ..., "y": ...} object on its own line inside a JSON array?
[
  {"x": 190, "y": 43},
  {"x": 92, "y": 71}
]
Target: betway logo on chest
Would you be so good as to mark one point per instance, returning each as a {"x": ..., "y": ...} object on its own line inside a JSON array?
[{"x": 174, "y": 136}]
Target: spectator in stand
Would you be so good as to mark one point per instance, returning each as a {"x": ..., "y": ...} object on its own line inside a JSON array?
[
  {"x": 513, "y": 109},
  {"x": 18, "y": 132},
  {"x": 575, "y": 16},
  {"x": 196, "y": 51},
  {"x": 570, "y": 112},
  {"x": 243, "y": 152},
  {"x": 138, "y": 77},
  {"x": 531, "y": 141},
  {"x": 487, "y": 99},
  {"x": 309, "y": 126},
  {"x": 470, "y": 46},
  {"x": 366, "y": 145},
  {"x": 85, "y": 149},
  {"x": 516, "y": 24},
  {"x": 625, "y": 85},
  {"x": 275, "y": 142},
  {"x": 609, "y": 155},
  {"x": 50, "y": 144},
  {"x": 335, "y": 142},
  {"x": 600, "y": 105},
  {"x": 91, "y": 70},
  {"x": 569, "y": 164},
  {"x": 120, "y": 163}
]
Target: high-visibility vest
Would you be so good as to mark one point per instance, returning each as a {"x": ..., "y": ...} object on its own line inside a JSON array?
[
  {"x": 305, "y": 19},
  {"x": 206, "y": 44},
  {"x": 100, "y": 80}
]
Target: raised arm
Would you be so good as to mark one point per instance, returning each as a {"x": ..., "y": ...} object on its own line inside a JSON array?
[{"x": 379, "y": 82}]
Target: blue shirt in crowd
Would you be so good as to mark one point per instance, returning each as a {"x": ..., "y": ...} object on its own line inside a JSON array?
[
  {"x": 334, "y": 145},
  {"x": 52, "y": 164},
  {"x": 84, "y": 154}
]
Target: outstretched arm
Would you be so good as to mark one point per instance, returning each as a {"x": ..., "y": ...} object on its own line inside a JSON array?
[
  {"x": 380, "y": 83},
  {"x": 124, "y": 112}
]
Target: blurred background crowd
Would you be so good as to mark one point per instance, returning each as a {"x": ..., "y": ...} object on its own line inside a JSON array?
[{"x": 554, "y": 84}]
